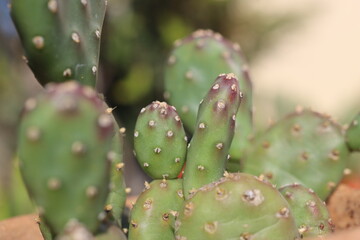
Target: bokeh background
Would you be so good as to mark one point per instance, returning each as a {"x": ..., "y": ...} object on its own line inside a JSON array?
[{"x": 299, "y": 52}]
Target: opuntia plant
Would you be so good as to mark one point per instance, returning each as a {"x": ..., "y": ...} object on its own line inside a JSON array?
[
  {"x": 61, "y": 38},
  {"x": 65, "y": 141},
  {"x": 191, "y": 67},
  {"x": 305, "y": 147}
]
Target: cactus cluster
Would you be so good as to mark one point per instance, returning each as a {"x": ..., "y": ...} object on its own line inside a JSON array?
[
  {"x": 71, "y": 148},
  {"x": 193, "y": 64}
]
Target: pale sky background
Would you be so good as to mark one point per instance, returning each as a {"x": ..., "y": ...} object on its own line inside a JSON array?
[{"x": 319, "y": 62}]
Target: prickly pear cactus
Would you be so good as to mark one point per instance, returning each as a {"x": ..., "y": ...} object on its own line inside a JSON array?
[
  {"x": 152, "y": 217},
  {"x": 160, "y": 141},
  {"x": 117, "y": 196},
  {"x": 353, "y": 134},
  {"x": 61, "y": 38},
  {"x": 64, "y": 142},
  {"x": 306, "y": 148},
  {"x": 311, "y": 215},
  {"x": 238, "y": 206},
  {"x": 192, "y": 66},
  {"x": 215, "y": 126}
]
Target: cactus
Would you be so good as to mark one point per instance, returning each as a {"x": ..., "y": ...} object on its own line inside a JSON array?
[
  {"x": 153, "y": 214},
  {"x": 353, "y": 134},
  {"x": 193, "y": 64},
  {"x": 160, "y": 141},
  {"x": 306, "y": 148},
  {"x": 64, "y": 141},
  {"x": 238, "y": 206},
  {"x": 117, "y": 196},
  {"x": 208, "y": 149},
  {"x": 61, "y": 38},
  {"x": 311, "y": 215}
]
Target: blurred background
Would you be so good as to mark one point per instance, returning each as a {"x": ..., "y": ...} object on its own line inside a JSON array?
[{"x": 299, "y": 52}]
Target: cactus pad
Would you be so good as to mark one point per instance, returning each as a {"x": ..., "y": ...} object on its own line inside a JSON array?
[
  {"x": 192, "y": 66},
  {"x": 208, "y": 150},
  {"x": 311, "y": 215},
  {"x": 238, "y": 206},
  {"x": 153, "y": 214},
  {"x": 306, "y": 148},
  {"x": 64, "y": 140},
  {"x": 353, "y": 134},
  {"x": 160, "y": 141},
  {"x": 61, "y": 38}
]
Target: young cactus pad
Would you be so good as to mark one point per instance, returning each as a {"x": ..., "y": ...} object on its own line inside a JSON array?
[
  {"x": 61, "y": 38},
  {"x": 238, "y": 206},
  {"x": 152, "y": 217},
  {"x": 353, "y": 134},
  {"x": 64, "y": 141},
  {"x": 306, "y": 148},
  {"x": 208, "y": 150},
  {"x": 160, "y": 141},
  {"x": 192, "y": 67},
  {"x": 311, "y": 215}
]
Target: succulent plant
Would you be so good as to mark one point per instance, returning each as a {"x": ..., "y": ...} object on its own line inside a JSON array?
[
  {"x": 238, "y": 206},
  {"x": 160, "y": 141},
  {"x": 64, "y": 145},
  {"x": 209, "y": 147},
  {"x": 193, "y": 64},
  {"x": 353, "y": 134},
  {"x": 152, "y": 217},
  {"x": 305, "y": 147},
  {"x": 61, "y": 38},
  {"x": 115, "y": 202},
  {"x": 311, "y": 215}
]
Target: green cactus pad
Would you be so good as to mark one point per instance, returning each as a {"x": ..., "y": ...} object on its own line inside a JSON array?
[
  {"x": 353, "y": 134},
  {"x": 238, "y": 206},
  {"x": 306, "y": 148},
  {"x": 160, "y": 141},
  {"x": 64, "y": 142},
  {"x": 117, "y": 196},
  {"x": 208, "y": 149},
  {"x": 311, "y": 215},
  {"x": 192, "y": 67},
  {"x": 61, "y": 38},
  {"x": 152, "y": 217}
]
